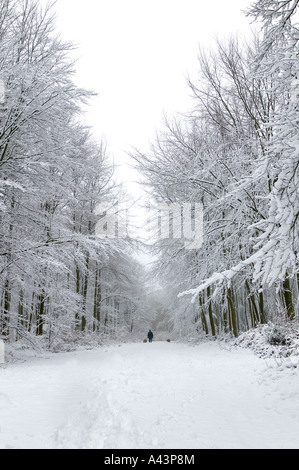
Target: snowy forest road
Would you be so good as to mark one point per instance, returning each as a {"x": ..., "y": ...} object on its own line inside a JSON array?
[{"x": 150, "y": 396}]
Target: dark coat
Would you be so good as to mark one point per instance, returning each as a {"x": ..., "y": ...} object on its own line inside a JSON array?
[{"x": 150, "y": 335}]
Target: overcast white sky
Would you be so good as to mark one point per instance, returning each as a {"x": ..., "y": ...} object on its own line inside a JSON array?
[{"x": 136, "y": 55}]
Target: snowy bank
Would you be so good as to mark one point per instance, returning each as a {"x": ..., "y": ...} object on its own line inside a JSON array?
[{"x": 279, "y": 341}]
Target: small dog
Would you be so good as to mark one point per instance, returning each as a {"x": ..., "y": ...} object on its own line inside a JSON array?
[
  {"x": 145, "y": 340},
  {"x": 168, "y": 341}
]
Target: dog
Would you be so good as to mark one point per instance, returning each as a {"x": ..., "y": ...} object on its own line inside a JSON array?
[{"x": 145, "y": 340}]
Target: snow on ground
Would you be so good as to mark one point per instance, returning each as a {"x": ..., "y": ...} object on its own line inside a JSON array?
[{"x": 150, "y": 396}]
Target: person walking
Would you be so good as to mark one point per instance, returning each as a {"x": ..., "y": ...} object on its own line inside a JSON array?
[{"x": 150, "y": 336}]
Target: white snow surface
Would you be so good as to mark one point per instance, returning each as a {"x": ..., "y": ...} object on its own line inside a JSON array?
[{"x": 150, "y": 396}]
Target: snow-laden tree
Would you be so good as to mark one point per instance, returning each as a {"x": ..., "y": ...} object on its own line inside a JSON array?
[
  {"x": 54, "y": 271},
  {"x": 237, "y": 155},
  {"x": 275, "y": 256},
  {"x": 202, "y": 159}
]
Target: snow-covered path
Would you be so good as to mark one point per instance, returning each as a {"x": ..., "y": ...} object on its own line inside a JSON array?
[{"x": 151, "y": 396}]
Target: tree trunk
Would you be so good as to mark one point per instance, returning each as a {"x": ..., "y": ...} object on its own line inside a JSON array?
[
  {"x": 21, "y": 319},
  {"x": 97, "y": 302},
  {"x": 211, "y": 317},
  {"x": 78, "y": 285},
  {"x": 288, "y": 298},
  {"x": 84, "y": 295},
  {"x": 40, "y": 312},
  {"x": 262, "y": 309},
  {"x": 232, "y": 312},
  {"x": 6, "y": 308},
  {"x": 252, "y": 306},
  {"x": 203, "y": 317}
]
